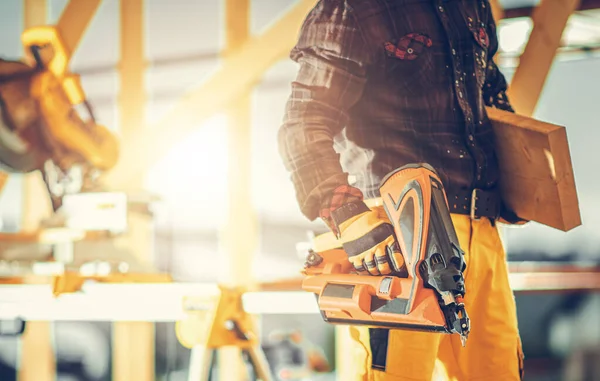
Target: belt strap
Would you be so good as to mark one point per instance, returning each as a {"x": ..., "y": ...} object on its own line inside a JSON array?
[{"x": 476, "y": 203}]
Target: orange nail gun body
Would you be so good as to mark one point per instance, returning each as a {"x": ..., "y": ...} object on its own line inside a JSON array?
[{"x": 430, "y": 296}]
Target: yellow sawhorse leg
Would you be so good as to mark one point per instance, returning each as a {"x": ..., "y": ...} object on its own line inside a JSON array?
[{"x": 217, "y": 322}]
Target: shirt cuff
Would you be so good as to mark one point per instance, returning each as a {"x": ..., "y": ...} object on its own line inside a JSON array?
[{"x": 341, "y": 195}]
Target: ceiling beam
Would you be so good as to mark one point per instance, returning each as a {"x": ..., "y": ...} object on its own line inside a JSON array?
[{"x": 549, "y": 21}]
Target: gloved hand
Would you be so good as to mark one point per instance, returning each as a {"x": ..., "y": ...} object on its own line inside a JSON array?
[{"x": 368, "y": 238}]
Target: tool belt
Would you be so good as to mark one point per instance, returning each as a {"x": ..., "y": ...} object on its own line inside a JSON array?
[{"x": 476, "y": 203}]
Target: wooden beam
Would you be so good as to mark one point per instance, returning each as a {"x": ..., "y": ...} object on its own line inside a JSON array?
[
  {"x": 132, "y": 97},
  {"x": 133, "y": 342},
  {"x": 36, "y": 201},
  {"x": 238, "y": 237},
  {"x": 132, "y": 67},
  {"x": 497, "y": 10},
  {"x": 237, "y": 25},
  {"x": 74, "y": 21},
  {"x": 37, "y": 205},
  {"x": 35, "y": 13},
  {"x": 549, "y": 21},
  {"x": 240, "y": 71},
  {"x": 37, "y": 361},
  {"x": 134, "y": 358}
]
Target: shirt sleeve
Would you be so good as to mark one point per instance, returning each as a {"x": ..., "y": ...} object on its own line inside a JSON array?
[
  {"x": 333, "y": 58},
  {"x": 494, "y": 91}
]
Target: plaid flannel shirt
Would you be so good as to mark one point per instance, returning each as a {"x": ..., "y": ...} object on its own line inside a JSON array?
[{"x": 385, "y": 83}]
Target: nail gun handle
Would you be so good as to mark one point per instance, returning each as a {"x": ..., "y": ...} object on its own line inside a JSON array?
[{"x": 352, "y": 296}]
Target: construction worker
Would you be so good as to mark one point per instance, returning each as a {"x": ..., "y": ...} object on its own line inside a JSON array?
[{"x": 382, "y": 84}]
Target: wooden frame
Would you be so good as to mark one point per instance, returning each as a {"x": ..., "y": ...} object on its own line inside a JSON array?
[{"x": 549, "y": 21}]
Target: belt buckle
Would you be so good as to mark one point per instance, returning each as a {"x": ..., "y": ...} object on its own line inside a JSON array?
[{"x": 474, "y": 204}]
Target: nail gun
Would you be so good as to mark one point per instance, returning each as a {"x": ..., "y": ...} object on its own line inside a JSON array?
[{"x": 429, "y": 296}]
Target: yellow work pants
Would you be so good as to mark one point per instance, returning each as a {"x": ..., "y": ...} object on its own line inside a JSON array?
[{"x": 493, "y": 351}]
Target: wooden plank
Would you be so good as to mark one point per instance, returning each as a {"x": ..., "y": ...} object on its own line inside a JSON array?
[
  {"x": 549, "y": 21},
  {"x": 537, "y": 178}
]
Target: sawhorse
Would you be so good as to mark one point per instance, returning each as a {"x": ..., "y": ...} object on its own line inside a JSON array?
[{"x": 213, "y": 323}]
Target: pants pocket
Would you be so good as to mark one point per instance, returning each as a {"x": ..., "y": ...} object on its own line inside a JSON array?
[{"x": 378, "y": 338}]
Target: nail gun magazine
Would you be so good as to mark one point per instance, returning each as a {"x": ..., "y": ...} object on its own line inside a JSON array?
[{"x": 429, "y": 295}]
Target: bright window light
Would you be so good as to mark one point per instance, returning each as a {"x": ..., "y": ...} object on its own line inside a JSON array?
[
  {"x": 513, "y": 35},
  {"x": 192, "y": 178},
  {"x": 582, "y": 30}
]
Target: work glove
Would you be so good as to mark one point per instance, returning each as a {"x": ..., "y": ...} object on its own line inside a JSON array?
[{"x": 368, "y": 238}]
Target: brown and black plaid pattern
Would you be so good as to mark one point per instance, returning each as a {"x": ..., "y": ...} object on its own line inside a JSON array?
[
  {"x": 341, "y": 195},
  {"x": 385, "y": 83}
]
